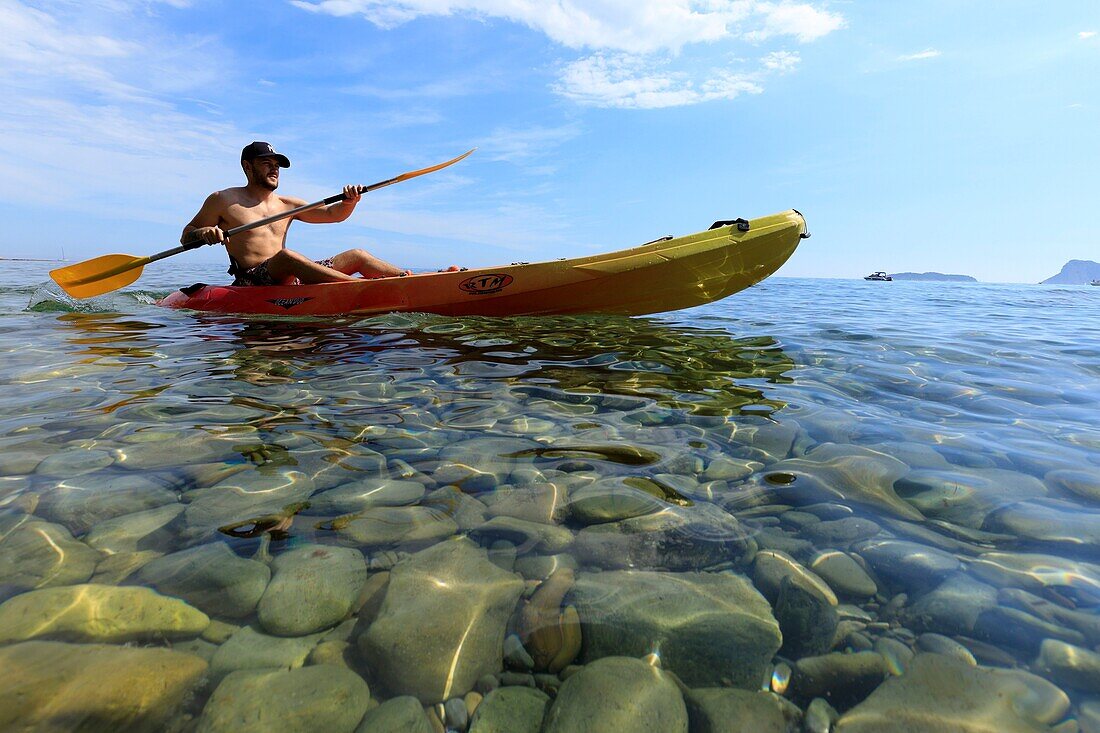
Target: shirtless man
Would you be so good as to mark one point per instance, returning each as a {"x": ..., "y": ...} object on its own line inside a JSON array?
[{"x": 259, "y": 256}]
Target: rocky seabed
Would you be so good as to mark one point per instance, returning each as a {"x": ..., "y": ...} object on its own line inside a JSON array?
[{"x": 762, "y": 581}]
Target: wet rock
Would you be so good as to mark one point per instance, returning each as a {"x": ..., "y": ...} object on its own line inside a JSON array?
[
  {"x": 939, "y": 644},
  {"x": 1083, "y": 482},
  {"x": 52, "y": 686},
  {"x": 909, "y": 564},
  {"x": 841, "y": 474},
  {"x": 1054, "y": 525},
  {"x": 322, "y": 698},
  {"x": 617, "y": 693},
  {"x": 612, "y": 500},
  {"x": 442, "y": 623},
  {"x": 541, "y": 502},
  {"x": 843, "y": 574},
  {"x": 540, "y": 567},
  {"x": 1069, "y": 665},
  {"x": 82, "y": 502},
  {"x": 953, "y": 606},
  {"x": 365, "y": 494},
  {"x": 154, "y": 448},
  {"x": 723, "y": 710},
  {"x": 402, "y": 714},
  {"x": 466, "y": 511},
  {"x": 770, "y": 568},
  {"x": 133, "y": 532},
  {"x": 313, "y": 587},
  {"x": 678, "y": 538},
  {"x": 241, "y": 497},
  {"x": 788, "y": 543},
  {"x": 211, "y": 577},
  {"x": 36, "y": 554},
  {"x": 114, "y": 569},
  {"x": 820, "y": 717},
  {"x": 706, "y": 627},
  {"x": 1039, "y": 573},
  {"x": 1011, "y": 627},
  {"x": 526, "y": 536},
  {"x": 454, "y": 714},
  {"x": 896, "y": 654},
  {"x": 725, "y": 468},
  {"x": 1088, "y": 624},
  {"x": 965, "y": 496},
  {"x": 842, "y": 679},
  {"x": 249, "y": 649},
  {"x": 551, "y": 630},
  {"x": 502, "y": 553},
  {"x": 72, "y": 462},
  {"x": 940, "y": 693},
  {"x": 806, "y": 620},
  {"x": 841, "y": 532},
  {"x": 510, "y": 710},
  {"x": 407, "y": 527},
  {"x": 98, "y": 613}
]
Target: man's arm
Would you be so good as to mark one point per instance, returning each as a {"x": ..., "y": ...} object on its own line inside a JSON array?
[
  {"x": 332, "y": 213},
  {"x": 205, "y": 224}
]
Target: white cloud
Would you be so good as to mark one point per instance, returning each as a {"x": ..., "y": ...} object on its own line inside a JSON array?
[
  {"x": 1085, "y": 35},
  {"x": 525, "y": 145},
  {"x": 630, "y": 26},
  {"x": 928, "y": 53},
  {"x": 781, "y": 61}
]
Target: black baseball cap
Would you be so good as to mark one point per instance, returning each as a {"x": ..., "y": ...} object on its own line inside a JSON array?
[{"x": 264, "y": 150}]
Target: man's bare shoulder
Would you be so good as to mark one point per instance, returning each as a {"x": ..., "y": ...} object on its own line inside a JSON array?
[{"x": 292, "y": 202}]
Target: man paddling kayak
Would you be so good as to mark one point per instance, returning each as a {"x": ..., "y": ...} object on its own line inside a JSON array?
[{"x": 259, "y": 256}]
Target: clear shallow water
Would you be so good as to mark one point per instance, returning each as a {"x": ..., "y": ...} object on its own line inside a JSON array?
[{"x": 435, "y": 506}]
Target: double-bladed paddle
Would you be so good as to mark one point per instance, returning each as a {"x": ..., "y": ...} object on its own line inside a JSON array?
[{"x": 111, "y": 272}]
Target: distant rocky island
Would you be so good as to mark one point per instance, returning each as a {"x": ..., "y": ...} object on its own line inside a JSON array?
[
  {"x": 1075, "y": 272},
  {"x": 932, "y": 276}
]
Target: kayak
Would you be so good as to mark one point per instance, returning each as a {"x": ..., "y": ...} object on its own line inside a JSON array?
[{"x": 663, "y": 275}]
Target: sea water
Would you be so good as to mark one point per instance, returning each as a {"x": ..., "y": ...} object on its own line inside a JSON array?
[{"x": 815, "y": 498}]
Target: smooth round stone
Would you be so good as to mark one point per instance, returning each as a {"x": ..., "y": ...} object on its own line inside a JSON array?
[
  {"x": 82, "y": 502},
  {"x": 1085, "y": 621},
  {"x": 51, "y": 686},
  {"x": 541, "y": 567},
  {"x": 16, "y": 462},
  {"x": 114, "y": 569},
  {"x": 617, "y": 694},
  {"x": 909, "y": 564},
  {"x": 36, "y": 554},
  {"x": 98, "y": 613},
  {"x": 714, "y": 709},
  {"x": 1061, "y": 525},
  {"x": 526, "y": 536},
  {"x": 365, "y": 494},
  {"x": 466, "y": 511},
  {"x": 964, "y": 496},
  {"x": 211, "y": 577},
  {"x": 807, "y": 620},
  {"x": 953, "y": 607},
  {"x": 1037, "y": 572},
  {"x": 73, "y": 462},
  {"x": 442, "y": 622},
  {"x": 542, "y": 502},
  {"x": 320, "y": 698},
  {"x": 677, "y": 538},
  {"x": 771, "y": 567},
  {"x": 706, "y": 626},
  {"x": 896, "y": 654},
  {"x": 164, "y": 449},
  {"x": 402, "y": 714},
  {"x": 134, "y": 532},
  {"x": 940, "y": 693},
  {"x": 843, "y": 574},
  {"x": 510, "y": 710},
  {"x": 245, "y": 496},
  {"x": 841, "y": 532},
  {"x": 725, "y": 468},
  {"x": 313, "y": 587},
  {"x": 398, "y": 526},
  {"x": 249, "y": 648},
  {"x": 939, "y": 644},
  {"x": 842, "y": 679},
  {"x": 1069, "y": 665},
  {"x": 1013, "y": 628},
  {"x": 611, "y": 500},
  {"x": 1084, "y": 483}
]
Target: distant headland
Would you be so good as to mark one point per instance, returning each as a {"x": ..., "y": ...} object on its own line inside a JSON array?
[
  {"x": 1075, "y": 272},
  {"x": 932, "y": 276}
]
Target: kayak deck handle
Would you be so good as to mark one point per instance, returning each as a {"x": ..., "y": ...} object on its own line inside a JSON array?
[{"x": 742, "y": 224}]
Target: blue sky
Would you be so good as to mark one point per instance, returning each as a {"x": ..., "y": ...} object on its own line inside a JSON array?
[{"x": 944, "y": 135}]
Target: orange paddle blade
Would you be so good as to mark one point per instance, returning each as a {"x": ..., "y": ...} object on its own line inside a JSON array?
[
  {"x": 414, "y": 174},
  {"x": 98, "y": 276}
]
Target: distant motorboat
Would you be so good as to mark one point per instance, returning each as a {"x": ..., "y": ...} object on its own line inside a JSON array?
[
  {"x": 1095, "y": 282},
  {"x": 879, "y": 275}
]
